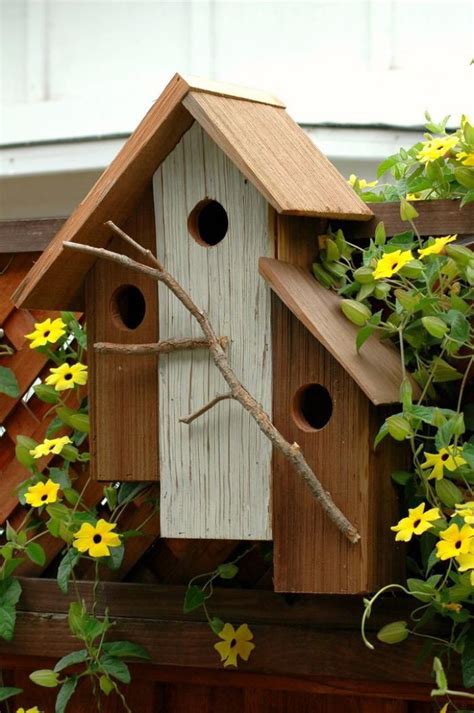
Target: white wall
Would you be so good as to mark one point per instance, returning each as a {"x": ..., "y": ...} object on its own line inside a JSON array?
[{"x": 75, "y": 69}]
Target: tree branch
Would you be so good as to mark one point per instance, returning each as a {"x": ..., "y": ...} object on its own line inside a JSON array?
[
  {"x": 239, "y": 392},
  {"x": 193, "y": 416},
  {"x": 163, "y": 347}
]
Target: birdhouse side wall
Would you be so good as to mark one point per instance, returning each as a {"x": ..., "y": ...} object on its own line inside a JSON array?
[
  {"x": 215, "y": 472},
  {"x": 123, "y": 389},
  {"x": 311, "y": 555}
]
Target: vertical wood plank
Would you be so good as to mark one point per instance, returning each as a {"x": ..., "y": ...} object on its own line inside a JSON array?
[
  {"x": 215, "y": 474},
  {"x": 123, "y": 389},
  {"x": 310, "y": 555}
]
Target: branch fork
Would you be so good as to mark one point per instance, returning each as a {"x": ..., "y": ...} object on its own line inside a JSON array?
[{"x": 292, "y": 452}]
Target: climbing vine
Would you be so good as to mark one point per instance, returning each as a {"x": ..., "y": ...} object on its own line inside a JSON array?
[{"x": 418, "y": 294}]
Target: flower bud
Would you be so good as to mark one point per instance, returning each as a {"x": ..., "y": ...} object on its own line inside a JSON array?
[
  {"x": 322, "y": 276},
  {"x": 398, "y": 427},
  {"x": 47, "y": 394},
  {"x": 407, "y": 211},
  {"x": 460, "y": 254},
  {"x": 356, "y": 312},
  {"x": 69, "y": 453},
  {"x": 364, "y": 275},
  {"x": 80, "y": 422},
  {"x": 448, "y": 492},
  {"x": 435, "y": 326},
  {"x": 45, "y": 677},
  {"x": 412, "y": 269},
  {"x": 393, "y": 633},
  {"x": 381, "y": 290}
]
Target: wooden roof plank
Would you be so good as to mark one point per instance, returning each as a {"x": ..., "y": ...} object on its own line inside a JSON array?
[
  {"x": 55, "y": 282},
  {"x": 277, "y": 156},
  {"x": 376, "y": 368},
  {"x": 261, "y": 139}
]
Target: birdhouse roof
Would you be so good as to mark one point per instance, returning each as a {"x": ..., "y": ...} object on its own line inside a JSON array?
[
  {"x": 251, "y": 127},
  {"x": 376, "y": 368}
]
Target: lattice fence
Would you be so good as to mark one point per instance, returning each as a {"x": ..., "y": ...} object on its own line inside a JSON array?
[{"x": 148, "y": 558}]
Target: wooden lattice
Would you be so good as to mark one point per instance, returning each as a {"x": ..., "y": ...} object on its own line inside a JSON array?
[{"x": 148, "y": 558}]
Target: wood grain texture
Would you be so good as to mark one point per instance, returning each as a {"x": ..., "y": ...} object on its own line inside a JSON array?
[
  {"x": 215, "y": 473},
  {"x": 123, "y": 389},
  {"x": 26, "y": 236},
  {"x": 113, "y": 197},
  {"x": 441, "y": 217},
  {"x": 309, "y": 554},
  {"x": 276, "y": 155},
  {"x": 376, "y": 368},
  {"x": 209, "y": 86}
]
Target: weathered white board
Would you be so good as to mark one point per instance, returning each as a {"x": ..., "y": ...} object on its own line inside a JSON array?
[{"x": 215, "y": 473}]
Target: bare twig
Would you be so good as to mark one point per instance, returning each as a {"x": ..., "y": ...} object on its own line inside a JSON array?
[
  {"x": 192, "y": 416},
  {"x": 238, "y": 391},
  {"x": 163, "y": 347}
]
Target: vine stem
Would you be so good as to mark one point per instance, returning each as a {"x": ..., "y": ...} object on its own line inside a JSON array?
[{"x": 291, "y": 452}]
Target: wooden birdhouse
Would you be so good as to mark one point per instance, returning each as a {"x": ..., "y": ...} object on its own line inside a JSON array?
[{"x": 226, "y": 189}]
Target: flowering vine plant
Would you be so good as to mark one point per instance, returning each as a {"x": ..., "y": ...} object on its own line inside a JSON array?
[
  {"x": 418, "y": 294},
  {"x": 55, "y": 494}
]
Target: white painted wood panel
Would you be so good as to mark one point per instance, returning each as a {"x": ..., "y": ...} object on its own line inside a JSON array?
[{"x": 215, "y": 473}]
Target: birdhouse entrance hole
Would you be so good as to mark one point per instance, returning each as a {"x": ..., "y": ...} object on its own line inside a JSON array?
[
  {"x": 128, "y": 307},
  {"x": 312, "y": 407},
  {"x": 208, "y": 223}
]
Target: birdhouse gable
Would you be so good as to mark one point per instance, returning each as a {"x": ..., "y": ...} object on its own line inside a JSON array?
[{"x": 250, "y": 127}]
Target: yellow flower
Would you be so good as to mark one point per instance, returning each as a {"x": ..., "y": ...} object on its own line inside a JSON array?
[
  {"x": 65, "y": 376},
  {"x": 416, "y": 523},
  {"x": 448, "y": 458},
  {"x": 436, "y": 148},
  {"x": 437, "y": 246},
  {"x": 466, "y": 511},
  {"x": 236, "y": 643},
  {"x": 467, "y": 159},
  {"x": 454, "y": 542},
  {"x": 362, "y": 182},
  {"x": 413, "y": 197},
  {"x": 391, "y": 263},
  {"x": 47, "y": 331},
  {"x": 30, "y": 710},
  {"x": 42, "y": 494},
  {"x": 444, "y": 709},
  {"x": 50, "y": 445},
  {"x": 97, "y": 539}
]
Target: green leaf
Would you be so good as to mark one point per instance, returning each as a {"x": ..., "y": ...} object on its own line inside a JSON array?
[
  {"x": 61, "y": 477},
  {"x": 444, "y": 372},
  {"x": 467, "y": 198},
  {"x": 401, "y": 477},
  {"x": 10, "y": 591},
  {"x": 380, "y": 236},
  {"x": 106, "y": 685},
  {"x": 8, "y": 383},
  {"x": 9, "y": 692},
  {"x": 115, "y": 559},
  {"x": 36, "y": 553},
  {"x": 65, "y": 693},
  {"x": 193, "y": 598},
  {"x": 438, "y": 670},
  {"x": 125, "y": 650},
  {"x": 387, "y": 164},
  {"x": 383, "y": 431},
  {"x": 423, "y": 590},
  {"x": 7, "y": 621},
  {"x": 227, "y": 571},
  {"x": 67, "y": 564},
  {"x": 116, "y": 668},
  {"x": 448, "y": 492},
  {"x": 467, "y": 661},
  {"x": 70, "y": 659},
  {"x": 363, "y": 334},
  {"x": 216, "y": 625}
]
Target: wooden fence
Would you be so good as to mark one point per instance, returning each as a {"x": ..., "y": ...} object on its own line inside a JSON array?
[{"x": 309, "y": 656}]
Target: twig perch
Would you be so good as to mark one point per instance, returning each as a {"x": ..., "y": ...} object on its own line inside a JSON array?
[
  {"x": 239, "y": 392},
  {"x": 193, "y": 416},
  {"x": 163, "y": 347}
]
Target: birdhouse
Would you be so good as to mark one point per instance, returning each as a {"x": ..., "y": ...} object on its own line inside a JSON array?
[{"x": 229, "y": 193}]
